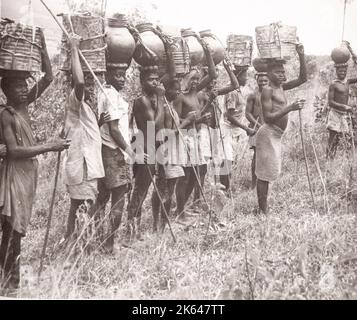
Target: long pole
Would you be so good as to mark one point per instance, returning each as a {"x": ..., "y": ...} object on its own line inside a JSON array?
[
  {"x": 305, "y": 157},
  {"x": 50, "y": 214},
  {"x": 344, "y": 20}
]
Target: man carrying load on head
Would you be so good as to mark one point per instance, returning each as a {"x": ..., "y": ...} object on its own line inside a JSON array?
[
  {"x": 233, "y": 111},
  {"x": 83, "y": 164},
  {"x": 338, "y": 122},
  {"x": 254, "y": 115},
  {"x": 276, "y": 116},
  {"x": 19, "y": 171}
]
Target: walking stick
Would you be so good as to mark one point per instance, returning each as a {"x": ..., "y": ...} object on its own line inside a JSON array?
[
  {"x": 50, "y": 214},
  {"x": 353, "y": 151},
  {"x": 305, "y": 157}
]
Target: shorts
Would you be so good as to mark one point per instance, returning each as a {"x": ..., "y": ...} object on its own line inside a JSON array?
[{"x": 117, "y": 170}]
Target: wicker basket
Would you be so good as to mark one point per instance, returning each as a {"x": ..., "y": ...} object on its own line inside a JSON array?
[
  {"x": 240, "y": 49},
  {"x": 20, "y": 47},
  {"x": 93, "y": 46},
  {"x": 276, "y": 41},
  {"x": 181, "y": 57}
]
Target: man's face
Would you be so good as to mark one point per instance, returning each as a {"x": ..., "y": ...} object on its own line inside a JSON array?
[
  {"x": 151, "y": 82},
  {"x": 242, "y": 77},
  {"x": 116, "y": 77},
  {"x": 277, "y": 75},
  {"x": 194, "y": 81},
  {"x": 212, "y": 84},
  {"x": 89, "y": 89},
  {"x": 18, "y": 91},
  {"x": 262, "y": 81},
  {"x": 341, "y": 73},
  {"x": 173, "y": 91}
]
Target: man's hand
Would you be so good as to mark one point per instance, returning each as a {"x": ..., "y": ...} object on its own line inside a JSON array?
[
  {"x": 206, "y": 118},
  {"x": 74, "y": 40},
  {"x": 300, "y": 49},
  {"x": 43, "y": 42},
  {"x": 213, "y": 94},
  {"x": 134, "y": 157},
  {"x": 192, "y": 116},
  {"x": 60, "y": 145},
  {"x": 103, "y": 118},
  {"x": 297, "y": 105},
  {"x": 251, "y": 132},
  {"x": 3, "y": 151},
  {"x": 348, "y": 108}
]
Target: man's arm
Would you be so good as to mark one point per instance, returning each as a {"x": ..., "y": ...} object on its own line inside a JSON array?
[
  {"x": 249, "y": 111},
  {"x": 212, "y": 74},
  {"x": 19, "y": 152},
  {"x": 46, "y": 80},
  {"x": 333, "y": 104},
  {"x": 270, "y": 116},
  {"x": 234, "y": 82},
  {"x": 116, "y": 135},
  {"x": 77, "y": 71},
  {"x": 303, "y": 74},
  {"x": 2, "y": 151},
  {"x": 233, "y": 120}
]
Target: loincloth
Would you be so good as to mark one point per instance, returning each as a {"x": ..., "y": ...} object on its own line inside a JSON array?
[
  {"x": 337, "y": 121},
  {"x": 268, "y": 153}
]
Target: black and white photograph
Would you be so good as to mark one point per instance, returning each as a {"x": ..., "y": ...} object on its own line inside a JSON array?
[{"x": 178, "y": 150}]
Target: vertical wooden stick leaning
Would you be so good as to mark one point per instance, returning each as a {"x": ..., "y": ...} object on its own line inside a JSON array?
[
  {"x": 58, "y": 165},
  {"x": 305, "y": 157}
]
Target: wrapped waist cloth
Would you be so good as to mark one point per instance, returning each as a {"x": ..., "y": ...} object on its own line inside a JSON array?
[
  {"x": 268, "y": 152},
  {"x": 337, "y": 121}
]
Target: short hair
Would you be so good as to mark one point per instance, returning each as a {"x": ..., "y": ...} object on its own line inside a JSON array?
[
  {"x": 275, "y": 64},
  {"x": 147, "y": 70},
  {"x": 169, "y": 84}
]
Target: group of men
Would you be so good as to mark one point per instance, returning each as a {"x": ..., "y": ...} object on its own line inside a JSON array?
[{"x": 104, "y": 159}]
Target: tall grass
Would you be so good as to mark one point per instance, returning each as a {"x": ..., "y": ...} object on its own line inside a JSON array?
[{"x": 292, "y": 253}]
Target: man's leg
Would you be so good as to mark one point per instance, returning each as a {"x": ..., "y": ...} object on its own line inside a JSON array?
[
  {"x": 118, "y": 202},
  {"x": 262, "y": 192},
  {"x": 184, "y": 190},
  {"x": 333, "y": 142},
  {"x": 155, "y": 203},
  {"x": 182, "y": 185},
  {"x": 142, "y": 183},
  {"x": 202, "y": 170},
  {"x": 72, "y": 217},
  {"x": 10, "y": 257},
  {"x": 171, "y": 183},
  {"x": 225, "y": 176},
  {"x": 254, "y": 177},
  {"x": 98, "y": 210}
]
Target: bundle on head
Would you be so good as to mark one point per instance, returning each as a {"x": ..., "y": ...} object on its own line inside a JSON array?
[
  {"x": 340, "y": 56},
  {"x": 261, "y": 66}
]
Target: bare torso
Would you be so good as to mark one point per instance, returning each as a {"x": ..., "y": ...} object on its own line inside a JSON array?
[
  {"x": 341, "y": 92},
  {"x": 280, "y": 102}
]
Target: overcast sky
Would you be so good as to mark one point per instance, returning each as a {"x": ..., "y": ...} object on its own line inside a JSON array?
[{"x": 319, "y": 22}]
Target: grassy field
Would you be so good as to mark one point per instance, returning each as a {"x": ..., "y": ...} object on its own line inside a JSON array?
[{"x": 293, "y": 253}]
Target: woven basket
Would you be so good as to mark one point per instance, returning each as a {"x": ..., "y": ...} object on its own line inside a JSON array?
[
  {"x": 20, "y": 47},
  {"x": 181, "y": 57},
  {"x": 276, "y": 41},
  {"x": 93, "y": 46},
  {"x": 240, "y": 49}
]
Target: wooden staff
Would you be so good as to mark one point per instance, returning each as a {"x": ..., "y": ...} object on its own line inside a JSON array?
[{"x": 305, "y": 157}]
